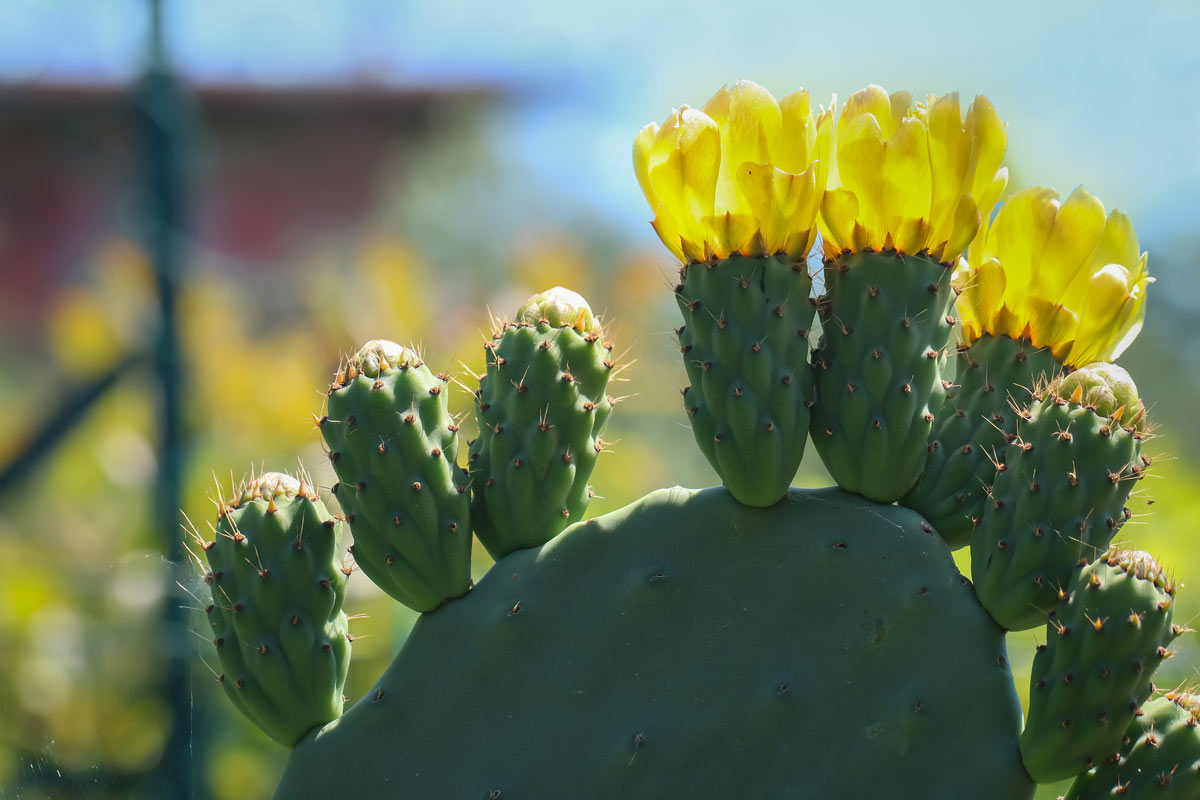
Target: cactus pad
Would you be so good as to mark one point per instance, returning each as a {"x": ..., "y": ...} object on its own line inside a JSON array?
[
  {"x": 1103, "y": 645},
  {"x": 971, "y": 429},
  {"x": 884, "y": 327},
  {"x": 541, "y": 409},
  {"x": 1159, "y": 758},
  {"x": 394, "y": 447},
  {"x": 745, "y": 348},
  {"x": 1058, "y": 499},
  {"x": 668, "y": 650},
  {"x": 276, "y": 611}
]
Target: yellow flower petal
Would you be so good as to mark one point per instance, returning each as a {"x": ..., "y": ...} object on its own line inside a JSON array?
[
  {"x": 1018, "y": 234},
  {"x": 900, "y": 104},
  {"x": 839, "y": 207},
  {"x": 966, "y": 225},
  {"x": 1071, "y": 240},
  {"x": 642, "y": 146},
  {"x": 799, "y": 244},
  {"x": 687, "y": 150},
  {"x": 991, "y": 195},
  {"x": 799, "y": 134},
  {"x": 782, "y": 202},
  {"x": 906, "y": 179},
  {"x": 1118, "y": 243},
  {"x": 666, "y": 229},
  {"x": 1051, "y": 325},
  {"x": 872, "y": 100},
  {"x": 948, "y": 155},
  {"x": 823, "y": 149},
  {"x": 750, "y": 122},
  {"x": 734, "y": 233},
  {"x": 860, "y": 156},
  {"x": 985, "y": 292},
  {"x": 988, "y": 141},
  {"x": 1107, "y": 292},
  {"x": 1127, "y": 326}
]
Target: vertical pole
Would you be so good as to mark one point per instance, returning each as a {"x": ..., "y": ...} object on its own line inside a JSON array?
[{"x": 162, "y": 119}]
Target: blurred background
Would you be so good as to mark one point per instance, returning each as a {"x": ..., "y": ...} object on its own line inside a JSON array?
[{"x": 204, "y": 205}]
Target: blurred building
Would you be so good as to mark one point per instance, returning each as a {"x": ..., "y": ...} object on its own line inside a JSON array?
[{"x": 70, "y": 167}]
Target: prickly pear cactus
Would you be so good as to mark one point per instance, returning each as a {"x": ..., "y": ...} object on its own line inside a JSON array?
[{"x": 754, "y": 639}]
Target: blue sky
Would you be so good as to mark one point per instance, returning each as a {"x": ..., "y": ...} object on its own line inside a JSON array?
[{"x": 1100, "y": 93}]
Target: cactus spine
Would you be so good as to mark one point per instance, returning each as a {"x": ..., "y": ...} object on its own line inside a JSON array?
[
  {"x": 394, "y": 447},
  {"x": 971, "y": 430},
  {"x": 1091, "y": 677},
  {"x": 541, "y": 409},
  {"x": 745, "y": 349},
  {"x": 885, "y": 322},
  {"x": 276, "y": 612}
]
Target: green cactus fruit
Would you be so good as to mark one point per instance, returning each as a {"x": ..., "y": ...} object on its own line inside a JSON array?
[
  {"x": 971, "y": 429},
  {"x": 276, "y": 613},
  {"x": 1103, "y": 644},
  {"x": 1159, "y": 758},
  {"x": 541, "y": 408},
  {"x": 1059, "y": 497},
  {"x": 394, "y": 447},
  {"x": 885, "y": 326},
  {"x": 690, "y": 646},
  {"x": 745, "y": 348}
]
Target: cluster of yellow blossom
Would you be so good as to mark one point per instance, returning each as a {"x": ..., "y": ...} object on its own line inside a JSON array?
[
  {"x": 745, "y": 175},
  {"x": 913, "y": 177},
  {"x": 1063, "y": 275},
  {"x": 749, "y": 175},
  {"x": 754, "y": 176}
]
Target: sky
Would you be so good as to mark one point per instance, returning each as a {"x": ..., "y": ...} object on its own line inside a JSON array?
[{"x": 1097, "y": 93}]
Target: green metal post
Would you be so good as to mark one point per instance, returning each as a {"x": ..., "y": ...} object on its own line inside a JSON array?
[{"x": 163, "y": 118}]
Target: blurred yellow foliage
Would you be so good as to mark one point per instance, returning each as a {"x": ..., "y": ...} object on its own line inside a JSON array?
[{"x": 105, "y": 314}]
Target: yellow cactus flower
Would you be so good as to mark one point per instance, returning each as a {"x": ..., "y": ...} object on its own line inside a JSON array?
[
  {"x": 745, "y": 175},
  {"x": 1059, "y": 274},
  {"x": 912, "y": 177}
]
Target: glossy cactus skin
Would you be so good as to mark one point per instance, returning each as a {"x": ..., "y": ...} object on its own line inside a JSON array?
[
  {"x": 576, "y": 667},
  {"x": 394, "y": 447},
  {"x": 1058, "y": 500},
  {"x": 541, "y": 409},
  {"x": 885, "y": 323},
  {"x": 745, "y": 348},
  {"x": 1103, "y": 644},
  {"x": 1159, "y": 757},
  {"x": 276, "y": 612},
  {"x": 971, "y": 430}
]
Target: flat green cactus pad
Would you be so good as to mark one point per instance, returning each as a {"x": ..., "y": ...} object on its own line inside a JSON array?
[{"x": 688, "y": 646}]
